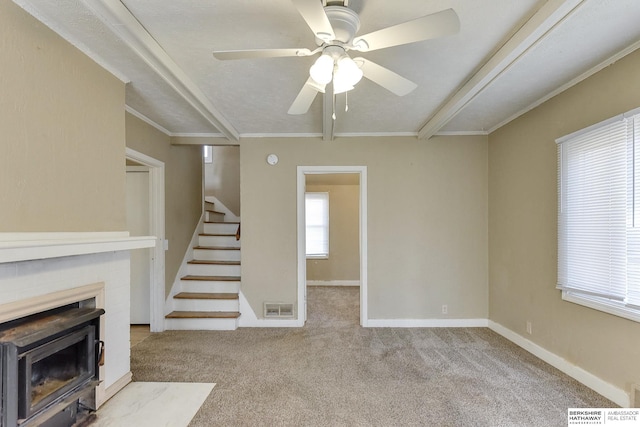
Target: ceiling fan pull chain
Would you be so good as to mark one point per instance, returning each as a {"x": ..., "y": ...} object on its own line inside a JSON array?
[{"x": 333, "y": 116}]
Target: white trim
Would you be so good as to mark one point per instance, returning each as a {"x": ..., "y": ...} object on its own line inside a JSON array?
[
  {"x": 281, "y": 135},
  {"x": 202, "y": 135},
  {"x": 31, "y": 246},
  {"x": 536, "y": 29},
  {"x": 302, "y": 260},
  {"x": 333, "y": 283},
  {"x": 374, "y": 134},
  {"x": 176, "y": 288},
  {"x": 428, "y": 323},
  {"x": 156, "y": 200},
  {"x": 134, "y": 36},
  {"x": 248, "y": 319},
  {"x": 595, "y": 383},
  {"x": 462, "y": 133},
  {"x": 147, "y": 120},
  {"x": 616, "y": 308}
]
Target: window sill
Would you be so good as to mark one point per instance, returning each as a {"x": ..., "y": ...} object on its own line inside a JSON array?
[
  {"x": 611, "y": 307},
  {"x": 317, "y": 256}
]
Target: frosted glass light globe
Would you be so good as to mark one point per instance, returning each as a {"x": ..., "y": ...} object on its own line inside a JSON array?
[{"x": 322, "y": 70}]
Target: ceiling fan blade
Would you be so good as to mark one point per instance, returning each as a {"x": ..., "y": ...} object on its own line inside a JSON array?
[
  {"x": 261, "y": 53},
  {"x": 384, "y": 77},
  {"x": 305, "y": 98},
  {"x": 432, "y": 26},
  {"x": 313, "y": 13}
]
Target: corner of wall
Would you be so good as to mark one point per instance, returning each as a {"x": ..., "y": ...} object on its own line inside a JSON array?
[{"x": 595, "y": 383}]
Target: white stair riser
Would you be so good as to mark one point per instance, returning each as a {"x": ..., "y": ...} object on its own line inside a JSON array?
[
  {"x": 213, "y": 270},
  {"x": 201, "y": 324},
  {"x": 216, "y": 255},
  {"x": 181, "y": 304},
  {"x": 214, "y": 216},
  {"x": 220, "y": 228},
  {"x": 210, "y": 286},
  {"x": 224, "y": 241}
]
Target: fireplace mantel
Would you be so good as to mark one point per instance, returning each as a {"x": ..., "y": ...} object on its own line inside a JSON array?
[{"x": 33, "y": 246}]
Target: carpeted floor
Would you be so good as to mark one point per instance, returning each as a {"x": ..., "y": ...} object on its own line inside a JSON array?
[{"x": 332, "y": 372}]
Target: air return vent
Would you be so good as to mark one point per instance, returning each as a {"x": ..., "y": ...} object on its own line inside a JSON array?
[{"x": 278, "y": 309}]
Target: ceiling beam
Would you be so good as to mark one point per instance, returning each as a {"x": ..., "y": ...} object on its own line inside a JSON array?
[
  {"x": 201, "y": 140},
  {"x": 328, "y": 123},
  {"x": 134, "y": 35},
  {"x": 545, "y": 19}
]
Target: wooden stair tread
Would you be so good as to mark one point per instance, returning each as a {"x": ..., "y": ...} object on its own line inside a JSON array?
[
  {"x": 218, "y": 248},
  {"x": 212, "y": 278},
  {"x": 211, "y": 262},
  {"x": 206, "y": 295},
  {"x": 215, "y": 212},
  {"x": 218, "y": 235},
  {"x": 203, "y": 315},
  {"x": 221, "y": 222}
]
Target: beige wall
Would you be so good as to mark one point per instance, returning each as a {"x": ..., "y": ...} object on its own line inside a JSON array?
[
  {"x": 183, "y": 188},
  {"x": 222, "y": 176},
  {"x": 427, "y": 221},
  {"x": 62, "y": 122},
  {"x": 344, "y": 234},
  {"x": 523, "y": 222}
]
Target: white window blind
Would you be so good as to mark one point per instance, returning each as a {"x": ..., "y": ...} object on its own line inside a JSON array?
[
  {"x": 207, "y": 153},
  {"x": 317, "y": 224},
  {"x": 598, "y": 223}
]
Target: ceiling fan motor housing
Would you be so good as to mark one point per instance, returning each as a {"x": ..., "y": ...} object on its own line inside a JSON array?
[{"x": 345, "y": 23}]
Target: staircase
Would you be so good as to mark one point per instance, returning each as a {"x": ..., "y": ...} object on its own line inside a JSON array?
[{"x": 208, "y": 297}]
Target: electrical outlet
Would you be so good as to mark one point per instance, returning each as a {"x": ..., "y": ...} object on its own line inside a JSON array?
[
  {"x": 529, "y": 330},
  {"x": 444, "y": 309}
]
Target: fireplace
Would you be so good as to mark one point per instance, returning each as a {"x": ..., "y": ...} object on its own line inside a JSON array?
[{"x": 49, "y": 366}]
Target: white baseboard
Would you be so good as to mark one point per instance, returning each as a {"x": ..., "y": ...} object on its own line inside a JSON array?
[
  {"x": 333, "y": 283},
  {"x": 427, "y": 323},
  {"x": 611, "y": 392},
  {"x": 248, "y": 318},
  {"x": 176, "y": 287}
]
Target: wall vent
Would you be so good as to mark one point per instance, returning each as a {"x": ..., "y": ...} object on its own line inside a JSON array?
[{"x": 278, "y": 309}]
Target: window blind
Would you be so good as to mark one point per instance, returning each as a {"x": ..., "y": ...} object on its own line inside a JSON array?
[
  {"x": 317, "y": 224},
  {"x": 598, "y": 219}
]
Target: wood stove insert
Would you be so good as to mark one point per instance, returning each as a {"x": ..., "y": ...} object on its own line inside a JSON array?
[{"x": 49, "y": 363}]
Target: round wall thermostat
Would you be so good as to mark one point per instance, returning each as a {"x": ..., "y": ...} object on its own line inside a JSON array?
[{"x": 272, "y": 159}]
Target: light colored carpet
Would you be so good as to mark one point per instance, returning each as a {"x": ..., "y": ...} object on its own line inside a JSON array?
[
  {"x": 153, "y": 405},
  {"x": 332, "y": 372}
]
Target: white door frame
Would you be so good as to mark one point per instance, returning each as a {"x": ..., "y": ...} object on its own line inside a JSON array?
[
  {"x": 148, "y": 252},
  {"x": 156, "y": 208},
  {"x": 302, "y": 259}
]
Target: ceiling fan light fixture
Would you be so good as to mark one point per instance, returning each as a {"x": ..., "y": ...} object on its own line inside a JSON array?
[
  {"x": 322, "y": 70},
  {"x": 347, "y": 71}
]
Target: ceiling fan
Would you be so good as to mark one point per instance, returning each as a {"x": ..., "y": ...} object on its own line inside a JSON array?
[{"x": 334, "y": 27}]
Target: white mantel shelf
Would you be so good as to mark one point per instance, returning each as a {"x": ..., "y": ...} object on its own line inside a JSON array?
[{"x": 16, "y": 247}]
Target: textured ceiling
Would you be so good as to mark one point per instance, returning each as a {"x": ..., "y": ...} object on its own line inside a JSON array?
[{"x": 507, "y": 57}]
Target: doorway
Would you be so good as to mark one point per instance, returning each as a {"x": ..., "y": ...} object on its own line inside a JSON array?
[
  {"x": 139, "y": 224},
  {"x": 155, "y": 203},
  {"x": 305, "y": 172}
]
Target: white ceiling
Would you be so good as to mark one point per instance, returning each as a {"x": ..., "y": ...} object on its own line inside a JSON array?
[{"x": 507, "y": 58}]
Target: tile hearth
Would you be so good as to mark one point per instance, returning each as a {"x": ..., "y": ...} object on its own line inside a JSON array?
[{"x": 153, "y": 404}]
